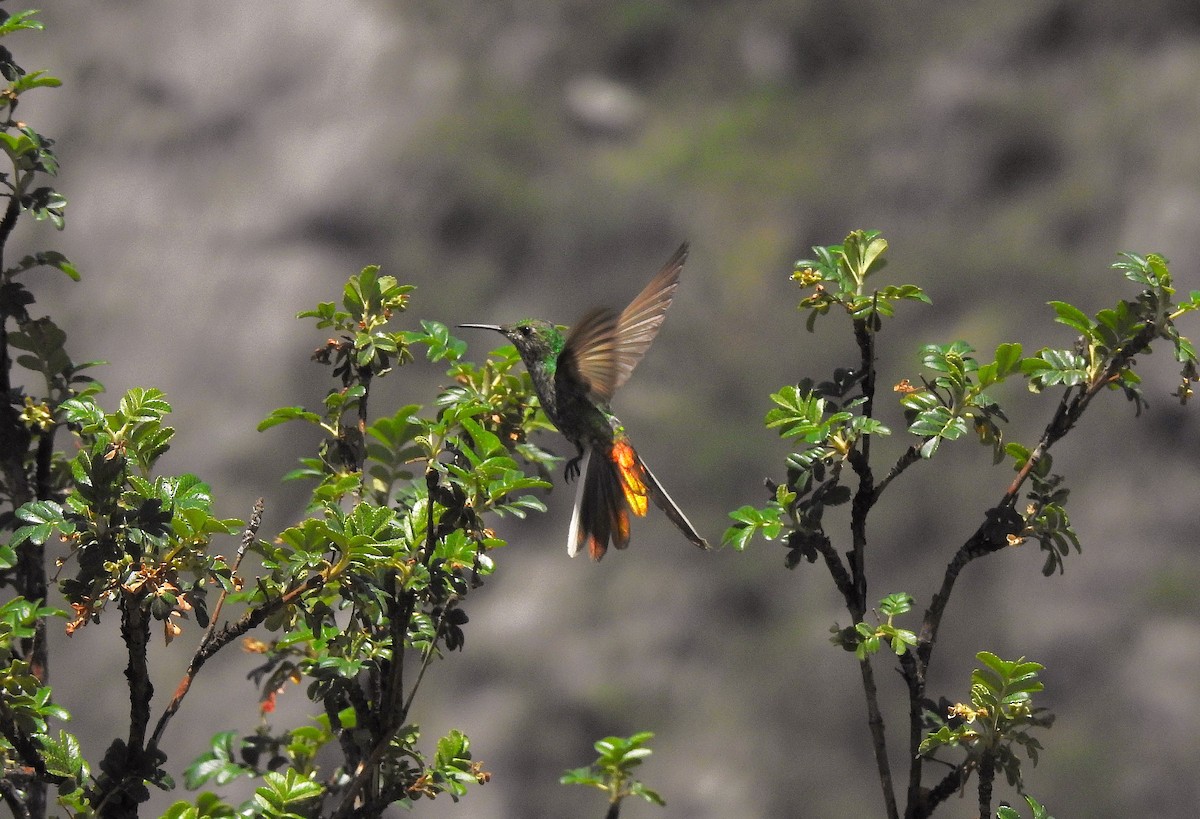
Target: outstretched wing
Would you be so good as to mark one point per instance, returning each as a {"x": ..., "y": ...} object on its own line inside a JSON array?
[
  {"x": 591, "y": 353},
  {"x": 639, "y": 322},
  {"x": 604, "y": 347}
]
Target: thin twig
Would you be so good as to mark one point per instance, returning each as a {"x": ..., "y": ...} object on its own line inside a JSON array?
[
  {"x": 10, "y": 217},
  {"x": 1002, "y": 520},
  {"x": 951, "y": 784},
  {"x": 910, "y": 456},
  {"x": 864, "y": 499},
  {"x": 14, "y": 799},
  {"x": 426, "y": 658},
  {"x": 231, "y": 632},
  {"x": 837, "y": 569},
  {"x": 248, "y": 538},
  {"x": 367, "y": 767},
  {"x": 402, "y": 614},
  {"x": 987, "y": 776},
  {"x": 914, "y": 678},
  {"x": 879, "y": 740},
  {"x": 991, "y": 536},
  {"x": 135, "y": 634},
  {"x": 200, "y": 656},
  {"x": 31, "y": 568}
]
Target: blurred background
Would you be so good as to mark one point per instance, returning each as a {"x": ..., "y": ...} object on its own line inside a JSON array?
[{"x": 228, "y": 165}]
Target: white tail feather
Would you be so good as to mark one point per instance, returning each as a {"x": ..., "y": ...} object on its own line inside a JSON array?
[{"x": 573, "y": 533}]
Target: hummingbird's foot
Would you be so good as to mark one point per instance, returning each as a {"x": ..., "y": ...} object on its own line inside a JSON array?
[{"x": 571, "y": 472}]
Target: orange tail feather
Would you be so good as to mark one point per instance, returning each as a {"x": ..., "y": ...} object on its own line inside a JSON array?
[{"x": 616, "y": 483}]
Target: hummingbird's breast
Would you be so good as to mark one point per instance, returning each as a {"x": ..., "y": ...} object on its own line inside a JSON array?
[
  {"x": 579, "y": 417},
  {"x": 582, "y": 420}
]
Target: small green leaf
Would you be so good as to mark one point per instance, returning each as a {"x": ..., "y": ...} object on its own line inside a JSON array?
[
  {"x": 21, "y": 20},
  {"x": 1008, "y": 359},
  {"x": 896, "y": 604},
  {"x": 284, "y": 414},
  {"x": 1072, "y": 316}
]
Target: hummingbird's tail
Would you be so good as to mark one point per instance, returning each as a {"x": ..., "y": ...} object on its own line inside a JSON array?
[{"x": 614, "y": 483}]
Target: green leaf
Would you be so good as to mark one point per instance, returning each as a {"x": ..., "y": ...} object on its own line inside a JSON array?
[
  {"x": 750, "y": 521},
  {"x": 1072, "y": 316},
  {"x": 651, "y": 796},
  {"x": 64, "y": 758},
  {"x": 799, "y": 413},
  {"x": 46, "y": 204},
  {"x": 141, "y": 404},
  {"x": 34, "y": 79},
  {"x": 284, "y": 414},
  {"x": 908, "y": 292},
  {"x": 1008, "y": 359},
  {"x": 219, "y": 764},
  {"x": 327, "y": 315},
  {"x": 47, "y": 258},
  {"x": 937, "y": 423},
  {"x": 896, "y": 604},
  {"x": 993, "y": 662},
  {"x": 19, "y": 21},
  {"x": 1052, "y": 367},
  {"x": 863, "y": 253},
  {"x": 581, "y": 776},
  {"x": 1039, "y": 810},
  {"x": 953, "y": 359},
  {"x": 902, "y": 640},
  {"x": 438, "y": 341},
  {"x": 283, "y": 792},
  {"x": 42, "y": 519},
  {"x": 485, "y": 443},
  {"x": 611, "y": 772}
]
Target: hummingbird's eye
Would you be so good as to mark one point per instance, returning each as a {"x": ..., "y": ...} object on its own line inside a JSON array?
[{"x": 525, "y": 329}]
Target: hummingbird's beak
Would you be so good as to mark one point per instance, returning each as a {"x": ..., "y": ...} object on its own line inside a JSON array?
[{"x": 495, "y": 327}]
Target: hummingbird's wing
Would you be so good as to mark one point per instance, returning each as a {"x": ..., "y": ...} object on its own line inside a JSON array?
[
  {"x": 604, "y": 347},
  {"x": 591, "y": 352},
  {"x": 639, "y": 322}
]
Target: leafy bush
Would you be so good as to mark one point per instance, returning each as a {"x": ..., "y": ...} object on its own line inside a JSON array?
[{"x": 832, "y": 424}]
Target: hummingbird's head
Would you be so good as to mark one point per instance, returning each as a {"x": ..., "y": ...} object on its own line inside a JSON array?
[{"x": 535, "y": 340}]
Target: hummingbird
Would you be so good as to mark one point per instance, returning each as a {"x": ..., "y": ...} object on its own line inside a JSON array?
[{"x": 575, "y": 377}]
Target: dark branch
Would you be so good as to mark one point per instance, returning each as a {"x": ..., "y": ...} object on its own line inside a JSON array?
[
  {"x": 910, "y": 457},
  {"x": 952, "y": 783},
  {"x": 231, "y": 632},
  {"x": 991, "y": 536},
  {"x": 860, "y": 461},
  {"x": 135, "y": 633},
  {"x": 878, "y": 739},
  {"x": 837, "y": 569},
  {"x": 25, "y": 747},
  {"x": 9, "y": 221},
  {"x": 914, "y": 678},
  {"x": 14, "y": 798}
]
